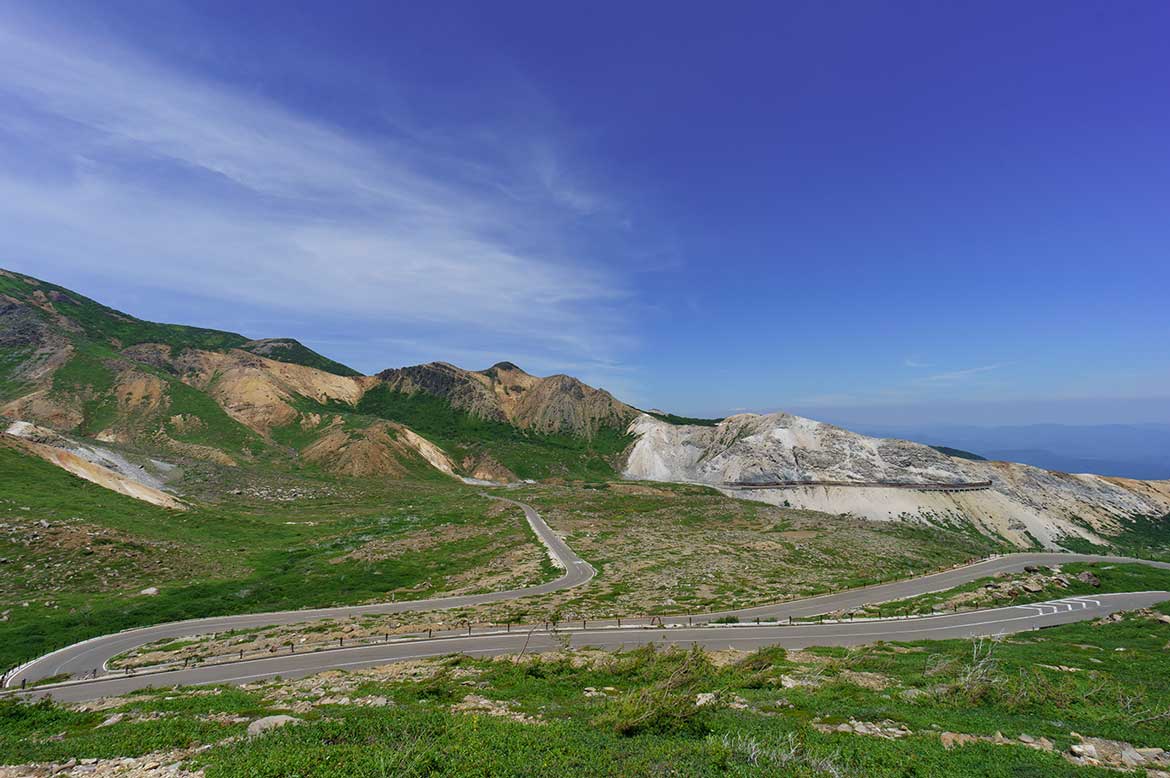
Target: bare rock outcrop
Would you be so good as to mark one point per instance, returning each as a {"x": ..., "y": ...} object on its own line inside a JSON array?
[{"x": 1023, "y": 505}]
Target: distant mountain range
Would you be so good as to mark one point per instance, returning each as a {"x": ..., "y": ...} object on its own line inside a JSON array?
[
  {"x": 1127, "y": 450},
  {"x": 71, "y": 364},
  {"x": 85, "y": 386}
]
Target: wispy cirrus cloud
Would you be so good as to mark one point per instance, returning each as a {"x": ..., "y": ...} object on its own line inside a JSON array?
[
  {"x": 954, "y": 376},
  {"x": 135, "y": 169}
]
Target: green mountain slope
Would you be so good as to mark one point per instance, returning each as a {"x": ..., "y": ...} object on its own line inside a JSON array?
[{"x": 72, "y": 364}]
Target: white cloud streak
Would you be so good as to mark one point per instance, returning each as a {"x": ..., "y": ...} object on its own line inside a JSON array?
[
  {"x": 955, "y": 376},
  {"x": 183, "y": 184}
]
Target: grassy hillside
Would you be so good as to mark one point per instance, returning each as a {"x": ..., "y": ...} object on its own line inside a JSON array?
[
  {"x": 101, "y": 376},
  {"x": 78, "y": 554},
  {"x": 98, "y": 323},
  {"x": 101, "y": 323},
  {"x": 289, "y": 350},
  {"x": 527, "y": 454}
]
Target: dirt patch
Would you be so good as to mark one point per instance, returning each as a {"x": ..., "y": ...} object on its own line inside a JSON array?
[
  {"x": 139, "y": 392},
  {"x": 485, "y": 468},
  {"x": 194, "y": 450},
  {"x": 874, "y": 681},
  {"x": 374, "y": 450}
]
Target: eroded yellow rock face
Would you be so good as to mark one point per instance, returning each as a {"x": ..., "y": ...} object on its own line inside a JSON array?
[
  {"x": 379, "y": 449},
  {"x": 94, "y": 473},
  {"x": 57, "y": 412},
  {"x": 257, "y": 391},
  {"x": 139, "y": 392}
]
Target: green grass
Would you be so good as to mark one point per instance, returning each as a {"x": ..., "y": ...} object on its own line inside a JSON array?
[
  {"x": 89, "y": 376},
  {"x": 643, "y": 717},
  {"x": 11, "y": 358},
  {"x": 1145, "y": 537}
]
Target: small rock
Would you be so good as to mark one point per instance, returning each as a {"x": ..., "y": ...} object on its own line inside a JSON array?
[
  {"x": 704, "y": 698},
  {"x": 1089, "y": 578},
  {"x": 149, "y": 591},
  {"x": 111, "y": 720}
]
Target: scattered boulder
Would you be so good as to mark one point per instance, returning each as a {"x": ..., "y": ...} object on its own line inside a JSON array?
[
  {"x": 373, "y": 702},
  {"x": 951, "y": 740},
  {"x": 890, "y": 730},
  {"x": 1116, "y": 754},
  {"x": 149, "y": 591},
  {"x": 269, "y": 722},
  {"x": 1089, "y": 578}
]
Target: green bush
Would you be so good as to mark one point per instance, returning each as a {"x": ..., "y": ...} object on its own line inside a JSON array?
[{"x": 654, "y": 711}]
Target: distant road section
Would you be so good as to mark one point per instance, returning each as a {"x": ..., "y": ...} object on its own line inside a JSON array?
[{"x": 969, "y": 486}]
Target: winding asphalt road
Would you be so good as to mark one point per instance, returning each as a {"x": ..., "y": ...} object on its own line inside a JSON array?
[{"x": 82, "y": 658}]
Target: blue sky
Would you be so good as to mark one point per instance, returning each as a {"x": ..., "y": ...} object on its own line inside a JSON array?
[{"x": 864, "y": 212}]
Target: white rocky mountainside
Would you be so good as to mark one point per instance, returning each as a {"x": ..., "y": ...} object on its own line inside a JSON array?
[{"x": 1024, "y": 504}]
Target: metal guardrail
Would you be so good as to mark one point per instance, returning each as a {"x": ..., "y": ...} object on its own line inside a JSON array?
[
  {"x": 547, "y": 627},
  {"x": 550, "y": 627}
]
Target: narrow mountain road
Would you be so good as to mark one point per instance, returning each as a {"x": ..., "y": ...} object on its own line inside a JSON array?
[
  {"x": 1000, "y": 621},
  {"x": 88, "y": 656}
]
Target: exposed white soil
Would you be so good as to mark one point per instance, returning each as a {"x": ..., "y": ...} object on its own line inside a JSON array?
[
  {"x": 94, "y": 465},
  {"x": 1023, "y": 502}
]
